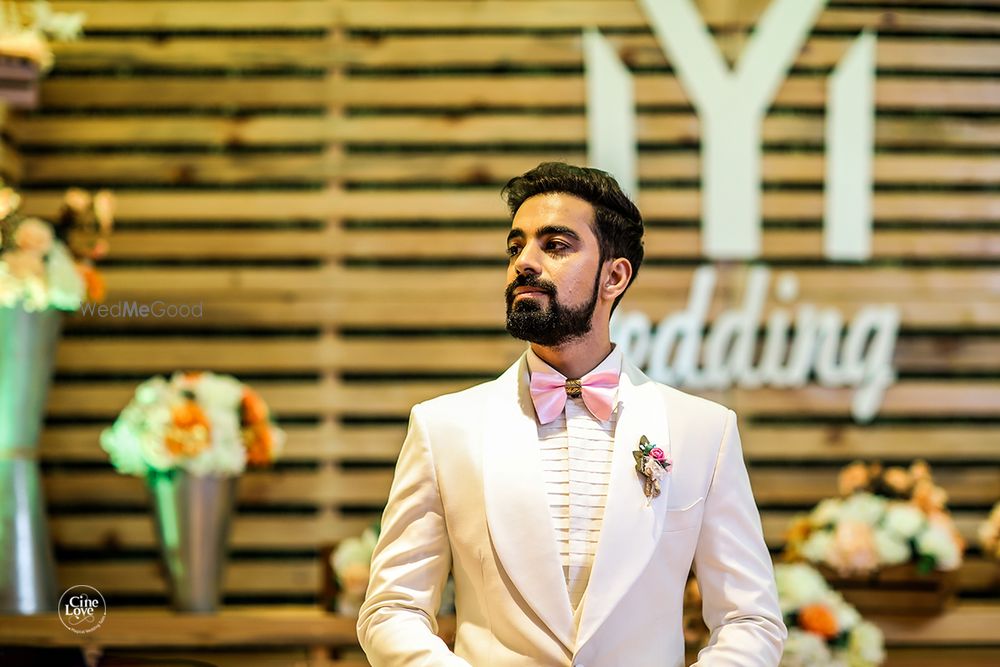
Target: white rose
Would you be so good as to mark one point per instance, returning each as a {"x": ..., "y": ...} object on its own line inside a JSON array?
[
  {"x": 863, "y": 507},
  {"x": 936, "y": 540},
  {"x": 804, "y": 649},
  {"x": 798, "y": 585},
  {"x": 866, "y": 643},
  {"x": 846, "y": 615},
  {"x": 904, "y": 519},
  {"x": 891, "y": 549},
  {"x": 817, "y": 546},
  {"x": 826, "y": 513}
]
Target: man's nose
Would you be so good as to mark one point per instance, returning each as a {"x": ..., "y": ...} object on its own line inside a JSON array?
[{"x": 528, "y": 260}]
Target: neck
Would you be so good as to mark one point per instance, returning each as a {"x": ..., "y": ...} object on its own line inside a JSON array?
[{"x": 576, "y": 358}]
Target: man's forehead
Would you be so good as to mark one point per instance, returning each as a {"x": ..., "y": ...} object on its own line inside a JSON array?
[{"x": 553, "y": 209}]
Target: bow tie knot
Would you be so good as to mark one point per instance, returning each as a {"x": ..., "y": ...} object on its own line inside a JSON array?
[{"x": 550, "y": 390}]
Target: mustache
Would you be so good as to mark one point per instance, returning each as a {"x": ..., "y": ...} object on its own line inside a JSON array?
[{"x": 528, "y": 281}]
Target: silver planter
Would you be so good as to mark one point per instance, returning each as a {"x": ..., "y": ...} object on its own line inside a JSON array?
[
  {"x": 27, "y": 355},
  {"x": 192, "y": 516}
]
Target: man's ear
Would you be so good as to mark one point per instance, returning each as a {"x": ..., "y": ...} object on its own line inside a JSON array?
[{"x": 618, "y": 276}]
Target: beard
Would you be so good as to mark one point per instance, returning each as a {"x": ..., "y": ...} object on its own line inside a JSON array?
[{"x": 546, "y": 321}]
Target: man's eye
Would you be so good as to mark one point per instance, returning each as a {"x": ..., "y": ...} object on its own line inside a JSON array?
[
  {"x": 512, "y": 250},
  {"x": 557, "y": 245}
]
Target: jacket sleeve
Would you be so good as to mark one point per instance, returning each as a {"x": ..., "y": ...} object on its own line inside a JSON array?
[
  {"x": 734, "y": 569},
  {"x": 397, "y": 623}
]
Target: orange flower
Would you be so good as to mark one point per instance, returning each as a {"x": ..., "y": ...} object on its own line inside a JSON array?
[
  {"x": 819, "y": 620},
  {"x": 254, "y": 408},
  {"x": 94, "y": 282},
  {"x": 258, "y": 440},
  {"x": 189, "y": 432},
  {"x": 898, "y": 479},
  {"x": 853, "y": 478},
  {"x": 920, "y": 470},
  {"x": 928, "y": 496}
]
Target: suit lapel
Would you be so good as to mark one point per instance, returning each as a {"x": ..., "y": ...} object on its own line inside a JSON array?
[
  {"x": 517, "y": 510},
  {"x": 630, "y": 528}
]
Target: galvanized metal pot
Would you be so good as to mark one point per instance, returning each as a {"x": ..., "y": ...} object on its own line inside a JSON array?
[
  {"x": 27, "y": 355},
  {"x": 192, "y": 515}
]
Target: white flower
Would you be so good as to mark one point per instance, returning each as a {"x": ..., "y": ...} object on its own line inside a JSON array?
[
  {"x": 904, "y": 520},
  {"x": 826, "y": 513},
  {"x": 67, "y": 291},
  {"x": 847, "y": 616},
  {"x": 817, "y": 546},
  {"x": 798, "y": 585},
  {"x": 866, "y": 645},
  {"x": 891, "y": 549},
  {"x": 936, "y": 541},
  {"x": 804, "y": 649},
  {"x": 863, "y": 507}
]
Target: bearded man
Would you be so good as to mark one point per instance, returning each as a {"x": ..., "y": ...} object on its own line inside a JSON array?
[{"x": 571, "y": 496}]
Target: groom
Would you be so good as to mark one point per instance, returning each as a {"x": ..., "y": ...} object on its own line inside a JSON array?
[{"x": 570, "y": 496}]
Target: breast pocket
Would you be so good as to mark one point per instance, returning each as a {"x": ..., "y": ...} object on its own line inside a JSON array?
[{"x": 682, "y": 518}]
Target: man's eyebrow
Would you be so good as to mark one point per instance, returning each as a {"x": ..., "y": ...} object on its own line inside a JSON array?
[{"x": 547, "y": 230}]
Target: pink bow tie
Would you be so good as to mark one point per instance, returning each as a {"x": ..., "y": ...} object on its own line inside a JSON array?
[{"x": 549, "y": 392}]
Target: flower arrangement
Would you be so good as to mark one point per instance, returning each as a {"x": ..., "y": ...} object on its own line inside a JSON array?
[
  {"x": 45, "y": 265},
  {"x": 29, "y": 39},
  {"x": 989, "y": 534},
  {"x": 351, "y": 563},
  {"x": 884, "y": 517},
  {"x": 204, "y": 423},
  {"x": 652, "y": 463},
  {"x": 823, "y": 629}
]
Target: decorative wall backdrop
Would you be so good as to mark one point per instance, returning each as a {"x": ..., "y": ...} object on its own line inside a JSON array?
[{"x": 322, "y": 177}]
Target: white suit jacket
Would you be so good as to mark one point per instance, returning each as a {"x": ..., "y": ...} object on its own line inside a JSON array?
[{"x": 468, "y": 496}]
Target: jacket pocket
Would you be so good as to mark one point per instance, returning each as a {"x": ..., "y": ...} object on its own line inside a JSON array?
[{"x": 683, "y": 518}]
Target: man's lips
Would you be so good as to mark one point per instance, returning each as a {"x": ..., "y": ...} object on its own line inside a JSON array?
[{"x": 529, "y": 292}]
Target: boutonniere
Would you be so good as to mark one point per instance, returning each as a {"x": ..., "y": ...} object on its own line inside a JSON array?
[{"x": 652, "y": 463}]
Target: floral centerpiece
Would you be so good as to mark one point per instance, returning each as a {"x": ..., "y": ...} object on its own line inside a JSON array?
[
  {"x": 823, "y": 629},
  {"x": 989, "y": 534},
  {"x": 887, "y": 524},
  {"x": 26, "y": 34},
  {"x": 203, "y": 423},
  {"x": 51, "y": 265},
  {"x": 190, "y": 437}
]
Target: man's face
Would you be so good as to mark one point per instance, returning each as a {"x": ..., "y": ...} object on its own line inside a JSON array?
[{"x": 553, "y": 270}]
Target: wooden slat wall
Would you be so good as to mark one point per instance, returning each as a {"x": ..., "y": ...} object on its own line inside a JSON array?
[{"x": 323, "y": 176}]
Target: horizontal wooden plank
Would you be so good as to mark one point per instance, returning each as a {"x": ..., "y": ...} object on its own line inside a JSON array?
[
  {"x": 186, "y": 52},
  {"x": 777, "y": 168},
  {"x": 261, "y": 130},
  {"x": 167, "y": 15},
  {"x": 975, "y": 485},
  {"x": 326, "y": 486},
  {"x": 285, "y": 576},
  {"x": 112, "y": 533},
  {"x": 479, "y": 243},
  {"x": 181, "y": 52},
  {"x": 115, "y": 354},
  {"x": 478, "y": 91},
  {"x": 407, "y": 14},
  {"x": 834, "y": 285},
  {"x": 761, "y": 443},
  {"x": 657, "y": 204},
  {"x": 390, "y": 312}
]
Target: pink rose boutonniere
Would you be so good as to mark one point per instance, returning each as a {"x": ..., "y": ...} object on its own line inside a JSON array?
[{"x": 652, "y": 463}]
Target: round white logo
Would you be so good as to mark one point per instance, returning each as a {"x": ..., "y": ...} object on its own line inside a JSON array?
[{"x": 82, "y": 609}]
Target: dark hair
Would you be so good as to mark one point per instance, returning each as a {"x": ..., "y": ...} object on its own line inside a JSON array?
[{"x": 617, "y": 221}]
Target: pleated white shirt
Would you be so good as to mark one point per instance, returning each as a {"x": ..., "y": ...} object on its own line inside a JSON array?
[{"x": 576, "y": 451}]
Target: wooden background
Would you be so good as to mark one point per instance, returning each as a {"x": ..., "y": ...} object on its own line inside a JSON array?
[{"x": 324, "y": 175}]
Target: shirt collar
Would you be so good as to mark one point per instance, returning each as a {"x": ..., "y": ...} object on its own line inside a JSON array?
[{"x": 612, "y": 362}]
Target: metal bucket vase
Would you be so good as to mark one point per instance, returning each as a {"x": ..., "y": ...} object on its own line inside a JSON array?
[
  {"x": 27, "y": 355},
  {"x": 192, "y": 516}
]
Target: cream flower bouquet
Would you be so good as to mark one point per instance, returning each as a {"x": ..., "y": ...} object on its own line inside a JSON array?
[
  {"x": 51, "y": 266},
  {"x": 823, "y": 629},
  {"x": 25, "y": 32},
  {"x": 884, "y": 517},
  {"x": 203, "y": 423}
]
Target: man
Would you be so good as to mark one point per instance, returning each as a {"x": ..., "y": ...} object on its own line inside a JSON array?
[{"x": 571, "y": 496}]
